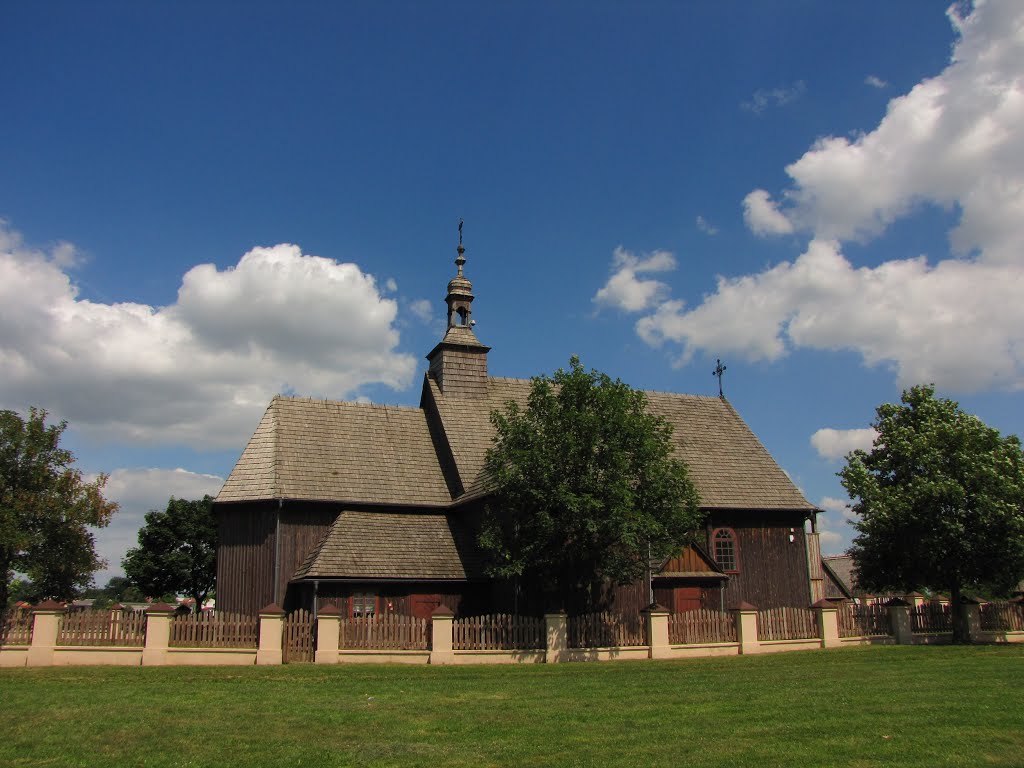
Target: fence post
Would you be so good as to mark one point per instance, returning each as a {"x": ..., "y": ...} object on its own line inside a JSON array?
[
  {"x": 328, "y": 629},
  {"x": 657, "y": 631},
  {"x": 557, "y": 637},
  {"x": 441, "y": 621},
  {"x": 828, "y": 623},
  {"x": 45, "y": 624},
  {"x": 158, "y": 634},
  {"x": 746, "y": 628},
  {"x": 269, "y": 652},
  {"x": 899, "y": 615},
  {"x": 971, "y": 609}
]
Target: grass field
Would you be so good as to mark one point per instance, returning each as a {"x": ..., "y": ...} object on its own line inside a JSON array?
[{"x": 896, "y": 706}]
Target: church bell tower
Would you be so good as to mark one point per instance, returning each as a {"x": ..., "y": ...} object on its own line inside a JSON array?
[{"x": 459, "y": 362}]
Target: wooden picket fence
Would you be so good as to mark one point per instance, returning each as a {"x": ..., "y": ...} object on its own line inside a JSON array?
[
  {"x": 606, "y": 630},
  {"x": 385, "y": 631},
  {"x": 498, "y": 632},
  {"x": 214, "y": 629},
  {"x": 931, "y": 617},
  {"x": 701, "y": 626},
  {"x": 103, "y": 628},
  {"x": 864, "y": 620},
  {"x": 297, "y": 643},
  {"x": 1002, "y": 616},
  {"x": 786, "y": 624},
  {"x": 16, "y": 627}
]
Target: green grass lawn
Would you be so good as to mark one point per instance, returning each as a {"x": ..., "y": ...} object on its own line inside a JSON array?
[{"x": 937, "y": 706}]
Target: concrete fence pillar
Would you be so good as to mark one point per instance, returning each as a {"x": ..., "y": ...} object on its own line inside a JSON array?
[
  {"x": 328, "y": 629},
  {"x": 746, "y": 628},
  {"x": 970, "y": 610},
  {"x": 557, "y": 637},
  {"x": 45, "y": 626},
  {"x": 158, "y": 634},
  {"x": 899, "y": 616},
  {"x": 270, "y": 652},
  {"x": 657, "y": 631},
  {"x": 828, "y": 623},
  {"x": 441, "y": 621}
]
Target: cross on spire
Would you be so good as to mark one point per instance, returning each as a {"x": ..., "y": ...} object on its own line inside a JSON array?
[
  {"x": 460, "y": 231},
  {"x": 719, "y": 370}
]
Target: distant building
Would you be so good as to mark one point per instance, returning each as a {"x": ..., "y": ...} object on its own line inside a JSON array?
[{"x": 373, "y": 508}]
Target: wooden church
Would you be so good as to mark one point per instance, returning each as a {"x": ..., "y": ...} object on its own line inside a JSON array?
[{"x": 372, "y": 508}]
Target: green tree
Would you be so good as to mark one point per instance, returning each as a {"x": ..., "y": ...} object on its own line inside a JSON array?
[
  {"x": 117, "y": 590},
  {"x": 939, "y": 499},
  {"x": 177, "y": 551},
  {"x": 586, "y": 487},
  {"x": 47, "y": 509}
]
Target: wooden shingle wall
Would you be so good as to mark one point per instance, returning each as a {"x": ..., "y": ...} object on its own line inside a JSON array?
[
  {"x": 772, "y": 569},
  {"x": 245, "y": 556}
]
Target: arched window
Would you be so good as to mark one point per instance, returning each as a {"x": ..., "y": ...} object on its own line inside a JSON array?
[
  {"x": 726, "y": 551},
  {"x": 463, "y": 316}
]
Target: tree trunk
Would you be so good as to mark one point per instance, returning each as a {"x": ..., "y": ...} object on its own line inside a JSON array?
[
  {"x": 960, "y": 633},
  {"x": 5, "y": 573}
]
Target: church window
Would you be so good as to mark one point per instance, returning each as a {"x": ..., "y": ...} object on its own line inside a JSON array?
[
  {"x": 726, "y": 554},
  {"x": 364, "y": 604}
]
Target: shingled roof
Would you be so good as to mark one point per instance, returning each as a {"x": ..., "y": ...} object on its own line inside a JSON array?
[
  {"x": 324, "y": 450},
  {"x": 350, "y": 452},
  {"x": 728, "y": 464},
  {"x": 389, "y": 545}
]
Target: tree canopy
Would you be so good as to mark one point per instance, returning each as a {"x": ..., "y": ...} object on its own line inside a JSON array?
[
  {"x": 177, "y": 551},
  {"x": 586, "y": 486},
  {"x": 47, "y": 510},
  {"x": 939, "y": 500}
]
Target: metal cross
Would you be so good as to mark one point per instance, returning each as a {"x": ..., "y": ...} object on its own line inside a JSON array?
[
  {"x": 719, "y": 370},
  {"x": 460, "y": 231}
]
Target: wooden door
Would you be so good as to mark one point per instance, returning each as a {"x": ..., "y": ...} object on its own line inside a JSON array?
[
  {"x": 423, "y": 605},
  {"x": 687, "y": 599}
]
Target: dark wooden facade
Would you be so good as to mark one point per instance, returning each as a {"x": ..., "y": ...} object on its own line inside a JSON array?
[
  {"x": 772, "y": 558},
  {"x": 245, "y": 556},
  {"x": 249, "y": 556},
  {"x": 771, "y": 549}
]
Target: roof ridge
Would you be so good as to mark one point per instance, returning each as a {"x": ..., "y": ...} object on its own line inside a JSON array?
[
  {"x": 682, "y": 394},
  {"x": 275, "y": 425},
  {"x": 346, "y": 403}
]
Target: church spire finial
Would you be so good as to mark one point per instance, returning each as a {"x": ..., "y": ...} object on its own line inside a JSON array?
[
  {"x": 460, "y": 259},
  {"x": 460, "y": 291}
]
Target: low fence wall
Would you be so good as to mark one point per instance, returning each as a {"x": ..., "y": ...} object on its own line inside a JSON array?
[{"x": 50, "y": 636}]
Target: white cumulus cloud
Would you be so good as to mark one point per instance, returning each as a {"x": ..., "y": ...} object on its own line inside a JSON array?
[
  {"x": 958, "y": 323},
  {"x": 875, "y": 82},
  {"x": 955, "y": 141},
  {"x": 625, "y": 289},
  {"x": 200, "y": 371},
  {"x": 836, "y": 443},
  {"x": 762, "y": 215}
]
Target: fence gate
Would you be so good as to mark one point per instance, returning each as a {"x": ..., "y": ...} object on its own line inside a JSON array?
[{"x": 297, "y": 639}]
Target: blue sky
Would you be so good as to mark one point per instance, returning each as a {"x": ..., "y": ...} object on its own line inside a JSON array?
[{"x": 206, "y": 204}]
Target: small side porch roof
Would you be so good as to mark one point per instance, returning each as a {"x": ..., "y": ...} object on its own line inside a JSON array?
[{"x": 394, "y": 546}]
